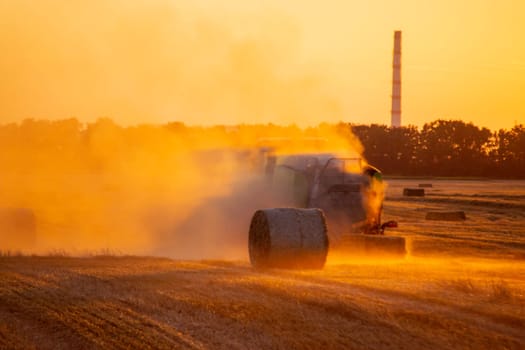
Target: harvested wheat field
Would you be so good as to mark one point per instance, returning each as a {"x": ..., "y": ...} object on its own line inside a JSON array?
[{"x": 462, "y": 286}]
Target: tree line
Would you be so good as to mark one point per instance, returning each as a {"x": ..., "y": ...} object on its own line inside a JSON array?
[
  {"x": 439, "y": 148},
  {"x": 444, "y": 148}
]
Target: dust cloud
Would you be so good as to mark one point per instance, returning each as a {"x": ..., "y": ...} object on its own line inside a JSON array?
[
  {"x": 176, "y": 190},
  {"x": 149, "y": 188},
  {"x": 170, "y": 190}
]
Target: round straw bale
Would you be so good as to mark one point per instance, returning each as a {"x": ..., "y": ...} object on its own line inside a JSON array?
[
  {"x": 446, "y": 216},
  {"x": 372, "y": 245},
  {"x": 414, "y": 192},
  {"x": 288, "y": 238},
  {"x": 425, "y": 185}
]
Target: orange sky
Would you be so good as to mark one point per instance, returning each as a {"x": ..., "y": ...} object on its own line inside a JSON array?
[{"x": 284, "y": 61}]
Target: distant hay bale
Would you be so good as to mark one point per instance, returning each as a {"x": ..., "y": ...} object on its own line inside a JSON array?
[
  {"x": 288, "y": 238},
  {"x": 425, "y": 185},
  {"x": 414, "y": 192},
  {"x": 372, "y": 245},
  {"x": 446, "y": 216}
]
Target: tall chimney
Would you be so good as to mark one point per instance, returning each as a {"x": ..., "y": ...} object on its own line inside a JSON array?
[{"x": 396, "y": 81}]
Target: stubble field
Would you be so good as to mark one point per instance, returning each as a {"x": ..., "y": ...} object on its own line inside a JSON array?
[{"x": 461, "y": 286}]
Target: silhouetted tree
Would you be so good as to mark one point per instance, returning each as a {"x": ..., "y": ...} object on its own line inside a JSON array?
[
  {"x": 394, "y": 150},
  {"x": 454, "y": 148},
  {"x": 508, "y": 154}
]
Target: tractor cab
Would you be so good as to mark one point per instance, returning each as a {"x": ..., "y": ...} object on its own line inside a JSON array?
[{"x": 343, "y": 188}]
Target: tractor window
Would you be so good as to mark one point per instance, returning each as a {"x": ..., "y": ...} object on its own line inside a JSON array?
[
  {"x": 344, "y": 165},
  {"x": 282, "y": 184},
  {"x": 291, "y": 186},
  {"x": 338, "y": 171},
  {"x": 301, "y": 190}
]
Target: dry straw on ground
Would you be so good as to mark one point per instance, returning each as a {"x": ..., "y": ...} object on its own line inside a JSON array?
[
  {"x": 425, "y": 185},
  {"x": 446, "y": 216},
  {"x": 372, "y": 245}
]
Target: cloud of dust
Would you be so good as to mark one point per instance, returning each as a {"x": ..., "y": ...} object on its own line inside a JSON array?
[{"x": 172, "y": 190}]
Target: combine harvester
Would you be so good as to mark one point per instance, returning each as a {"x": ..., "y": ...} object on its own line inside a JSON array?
[{"x": 328, "y": 201}]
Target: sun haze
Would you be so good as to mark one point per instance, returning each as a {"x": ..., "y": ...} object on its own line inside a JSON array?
[{"x": 217, "y": 62}]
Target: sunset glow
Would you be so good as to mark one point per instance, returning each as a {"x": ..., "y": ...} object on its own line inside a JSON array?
[{"x": 229, "y": 62}]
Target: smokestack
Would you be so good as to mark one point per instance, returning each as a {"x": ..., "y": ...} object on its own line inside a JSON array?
[{"x": 396, "y": 81}]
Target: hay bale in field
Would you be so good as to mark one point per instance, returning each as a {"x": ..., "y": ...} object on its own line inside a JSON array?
[
  {"x": 288, "y": 238},
  {"x": 425, "y": 185},
  {"x": 414, "y": 192},
  {"x": 446, "y": 216},
  {"x": 371, "y": 245},
  {"x": 17, "y": 227}
]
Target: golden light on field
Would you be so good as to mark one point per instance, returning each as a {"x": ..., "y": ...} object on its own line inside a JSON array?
[
  {"x": 137, "y": 302},
  {"x": 226, "y": 62},
  {"x": 138, "y": 138},
  {"x": 144, "y": 63}
]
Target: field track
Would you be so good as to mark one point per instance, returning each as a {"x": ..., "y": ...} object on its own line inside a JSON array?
[{"x": 463, "y": 286}]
